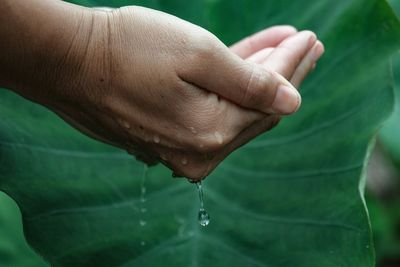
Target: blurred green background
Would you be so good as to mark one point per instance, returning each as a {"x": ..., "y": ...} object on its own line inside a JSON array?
[{"x": 383, "y": 196}]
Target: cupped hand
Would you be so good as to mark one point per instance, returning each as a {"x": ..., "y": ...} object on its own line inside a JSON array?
[{"x": 169, "y": 91}]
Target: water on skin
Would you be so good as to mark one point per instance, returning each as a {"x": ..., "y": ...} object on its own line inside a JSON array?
[
  {"x": 193, "y": 130},
  {"x": 203, "y": 216},
  {"x": 184, "y": 161},
  {"x": 219, "y": 137},
  {"x": 124, "y": 123}
]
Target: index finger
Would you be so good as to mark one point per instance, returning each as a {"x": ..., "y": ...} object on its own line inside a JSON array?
[{"x": 269, "y": 37}]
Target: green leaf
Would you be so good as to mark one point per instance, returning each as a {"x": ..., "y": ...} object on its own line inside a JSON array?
[
  {"x": 390, "y": 133},
  {"x": 14, "y": 251},
  {"x": 292, "y": 197}
]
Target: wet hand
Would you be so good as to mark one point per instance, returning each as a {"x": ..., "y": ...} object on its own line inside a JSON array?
[{"x": 168, "y": 91}]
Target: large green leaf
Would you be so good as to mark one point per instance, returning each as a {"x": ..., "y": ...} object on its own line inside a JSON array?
[{"x": 292, "y": 197}]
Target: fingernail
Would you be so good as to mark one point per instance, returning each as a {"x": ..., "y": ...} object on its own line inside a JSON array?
[
  {"x": 287, "y": 100},
  {"x": 318, "y": 51},
  {"x": 312, "y": 39}
]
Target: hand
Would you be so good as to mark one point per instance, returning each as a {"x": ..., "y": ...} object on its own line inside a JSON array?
[{"x": 162, "y": 88}]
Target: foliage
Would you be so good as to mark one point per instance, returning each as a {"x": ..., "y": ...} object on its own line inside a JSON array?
[
  {"x": 292, "y": 197},
  {"x": 14, "y": 251}
]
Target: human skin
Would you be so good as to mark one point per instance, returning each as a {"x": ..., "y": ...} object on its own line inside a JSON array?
[{"x": 159, "y": 87}]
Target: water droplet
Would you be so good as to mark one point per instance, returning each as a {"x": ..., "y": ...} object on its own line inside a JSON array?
[
  {"x": 143, "y": 190},
  {"x": 124, "y": 123},
  {"x": 143, "y": 210},
  {"x": 193, "y": 130},
  {"x": 184, "y": 161},
  {"x": 143, "y": 243},
  {"x": 203, "y": 216},
  {"x": 219, "y": 137},
  {"x": 156, "y": 139},
  {"x": 163, "y": 157},
  {"x": 142, "y": 199},
  {"x": 142, "y": 223}
]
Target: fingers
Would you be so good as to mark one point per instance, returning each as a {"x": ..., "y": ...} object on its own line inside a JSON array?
[
  {"x": 245, "y": 83},
  {"x": 260, "y": 56},
  {"x": 270, "y": 37},
  {"x": 307, "y": 64},
  {"x": 286, "y": 57}
]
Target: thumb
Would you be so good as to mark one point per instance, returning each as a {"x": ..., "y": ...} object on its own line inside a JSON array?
[{"x": 245, "y": 83}]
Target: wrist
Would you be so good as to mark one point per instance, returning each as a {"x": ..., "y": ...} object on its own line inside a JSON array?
[{"x": 47, "y": 42}]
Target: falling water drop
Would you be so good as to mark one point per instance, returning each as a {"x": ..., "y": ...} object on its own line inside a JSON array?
[{"x": 203, "y": 216}]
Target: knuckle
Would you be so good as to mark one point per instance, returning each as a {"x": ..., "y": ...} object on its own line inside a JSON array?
[
  {"x": 205, "y": 45},
  {"x": 259, "y": 88}
]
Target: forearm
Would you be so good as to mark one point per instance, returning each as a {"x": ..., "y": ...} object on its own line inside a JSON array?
[{"x": 37, "y": 36}]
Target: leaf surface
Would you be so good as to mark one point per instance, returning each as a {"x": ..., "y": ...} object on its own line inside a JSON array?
[{"x": 292, "y": 197}]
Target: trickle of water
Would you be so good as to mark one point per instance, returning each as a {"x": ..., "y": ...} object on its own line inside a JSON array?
[
  {"x": 143, "y": 190},
  {"x": 203, "y": 216},
  {"x": 219, "y": 137},
  {"x": 156, "y": 139},
  {"x": 143, "y": 243}
]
